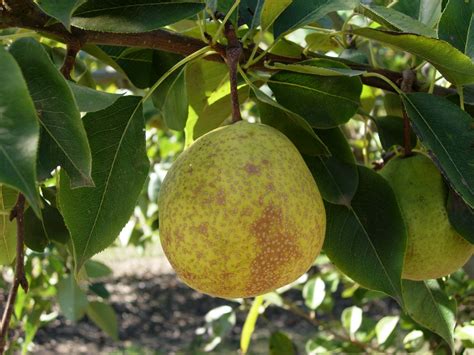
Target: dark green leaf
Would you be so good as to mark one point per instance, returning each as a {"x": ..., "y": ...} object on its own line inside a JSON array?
[
  {"x": 63, "y": 138},
  {"x": 19, "y": 133},
  {"x": 395, "y": 20},
  {"x": 429, "y": 305},
  {"x": 35, "y": 236},
  {"x": 460, "y": 216},
  {"x": 130, "y": 16},
  {"x": 448, "y": 132},
  {"x": 172, "y": 100},
  {"x": 281, "y": 344},
  {"x": 337, "y": 176},
  {"x": 95, "y": 269},
  {"x": 390, "y": 129},
  {"x": 7, "y": 228},
  {"x": 303, "y": 12},
  {"x": 323, "y": 101},
  {"x": 72, "y": 300},
  {"x": 104, "y": 316},
  {"x": 453, "y": 64},
  {"x": 95, "y": 216},
  {"x": 367, "y": 242},
  {"x": 61, "y": 10},
  {"x": 454, "y": 25},
  {"x": 99, "y": 289},
  {"x": 89, "y": 100}
]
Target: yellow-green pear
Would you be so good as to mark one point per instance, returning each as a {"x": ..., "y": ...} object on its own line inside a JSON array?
[
  {"x": 434, "y": 248},
  {"x": 240, "y": 214}
]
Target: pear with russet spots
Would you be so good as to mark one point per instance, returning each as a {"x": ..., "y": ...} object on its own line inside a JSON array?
[{"x": 240, "y": 213}]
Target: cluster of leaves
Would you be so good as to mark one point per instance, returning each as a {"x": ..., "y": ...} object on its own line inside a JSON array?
[{"x": 79, "y": 153}]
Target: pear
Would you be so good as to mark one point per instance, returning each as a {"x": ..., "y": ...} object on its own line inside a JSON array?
[
  {"x": 240, "y": 214},
  {"x": 434, "y": 248}
]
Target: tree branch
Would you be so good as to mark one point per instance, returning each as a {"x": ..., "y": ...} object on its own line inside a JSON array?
[
  {"x": 233, "y": 53},
  {"x": 19, "y": 277}
]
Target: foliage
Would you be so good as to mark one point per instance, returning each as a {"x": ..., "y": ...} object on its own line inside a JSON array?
[{"x": 89, "y": 154}]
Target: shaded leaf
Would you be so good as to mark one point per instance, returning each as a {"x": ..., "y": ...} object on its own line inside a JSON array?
[
  {"x": 96, "y": 269},
  {"x": 89, "y": 100},
  {"x": 453, "y": 64},
  {"x": 72, "y": 300},
  {"x": 323, "y": 101},
  {"x": 8, "y": 199},
  {"x": 19, "y": 132},
  {"x": 429, "y": 305},
  {"x": 281, "y": 344},
  {"x": 448, "y": 132},
  {"x": 104, "y": 317},
  {"x": 460, "y": 216},
  {"x": 38, "y": 233},
  {"x": 130, "y": 16},
  {"x": 61, "y": 10},
  {"x": 63, "y": 138},
  {"x": 95, "y": 216},
  {"x": 390, "y": 130},
  {"x": 367, "y": 241}
]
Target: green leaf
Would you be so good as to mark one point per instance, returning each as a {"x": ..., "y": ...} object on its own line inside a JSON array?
[
  {"x": 271, "y": 10},
  {"x": 448, "y": 132},
  {"x": 460, "y": 216},
  {"x": 337, "y": 176},
  {"x": 324, "y": 42},
  {"x": 394, "y": 20},
  {"x": 172, "y": 100},
  {"x": 454, "y": 25},
  {"x": 63, "y": 138},
  {"x": 249, "y": 325},
  {"x": 351, "y": 319},
  {"x": 7, "y": 228},
  {"x": 303, "y": 12},
  {"x": 89, "y": 100},
  {"x": 429, "y": 305},
  {"x": 323, "y": 101},
  {"x": 19, "y": 131},
  {"x": 385, "y": 327},
  {"x": 429, "y": 12},
  {"x": 96, "y": 269},
  {"x": 367, "y": 241},
  {"x": 95, "y": 216},
  {"x": 390, "y": 130},
  {"x": 130, "y": 16},
  {"x": 104, "y": 316},
  {"x": 289, "y": 123},
  {"x": 314, "y": 292},
  {"x": 453, "y": 64},
  {"x": 312, "y": 68},
  {"x": 281, "y": 344},
  {"x": 414, "y": 340},
  {"x": 61, "y": 10},
  {"x": 72, "y": 300}
]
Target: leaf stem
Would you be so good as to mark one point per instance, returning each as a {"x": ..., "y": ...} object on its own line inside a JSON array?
[
  {"x": 408, "y": 78},
  {"x": 233, "y": 53},
  {"x": 19, "y": 277},
  {"x": 224, "y": 21},
  {"x": 384, "y": 78},
  {"x": 461, "y": 96}
]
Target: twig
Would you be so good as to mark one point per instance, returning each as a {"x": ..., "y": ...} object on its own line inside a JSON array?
[
  {"x": 408, "y": 78},
  {"x": 233, "y": 53},
  {"x": 19, "y": 277}
]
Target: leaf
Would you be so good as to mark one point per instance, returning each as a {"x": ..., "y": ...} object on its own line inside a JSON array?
[
  {"x": 130, "y": 16},
  {"x": 427, "y": 304},
  {"x": 281, "y": 344},
  {"x": 323, "y": 101},
  {"x": 271, "y": 10},
  {"x": 314, "y": 292},
  {"x": 460, "y": 216},
  {"x": 385, "y": 327},
  {"x": 290, "y": 124},
  {"x": 104, "y": 316},
  {"x": 414, "y": 340},
  {"x": 394, "y": 20},
  {"x": 95, "y": 216},
  {"x": 318, "y": 70},
  {"x": 172, "y": 100},
  {"x": 61, "y": 10},
  {"x": 453, "y": 64},
  {"x": 351, "y": 319},
  {"x": 7, "y": 228},
  {"x": 19, "y": 133},
  {"x": 390, "y": 130},
  {"x": 71, "y": 298},
  {"x": 367, "y": 241},
  {"x": 63, "y": 138},
  {"x": 249, "y": 325},
  {"x": 454, "y": 25},
  {"x": 337, "y": 175},
  {"x": 429, "y": 12},
  {"x": 448, "y": 132},
  {"x": 303, "y": 12},
  {"x": 89, "y": 100},
  {"x": 96, "y": 269}
]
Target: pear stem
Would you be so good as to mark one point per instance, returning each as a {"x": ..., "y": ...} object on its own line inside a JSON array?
[{"x": 408, "y": 79}]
